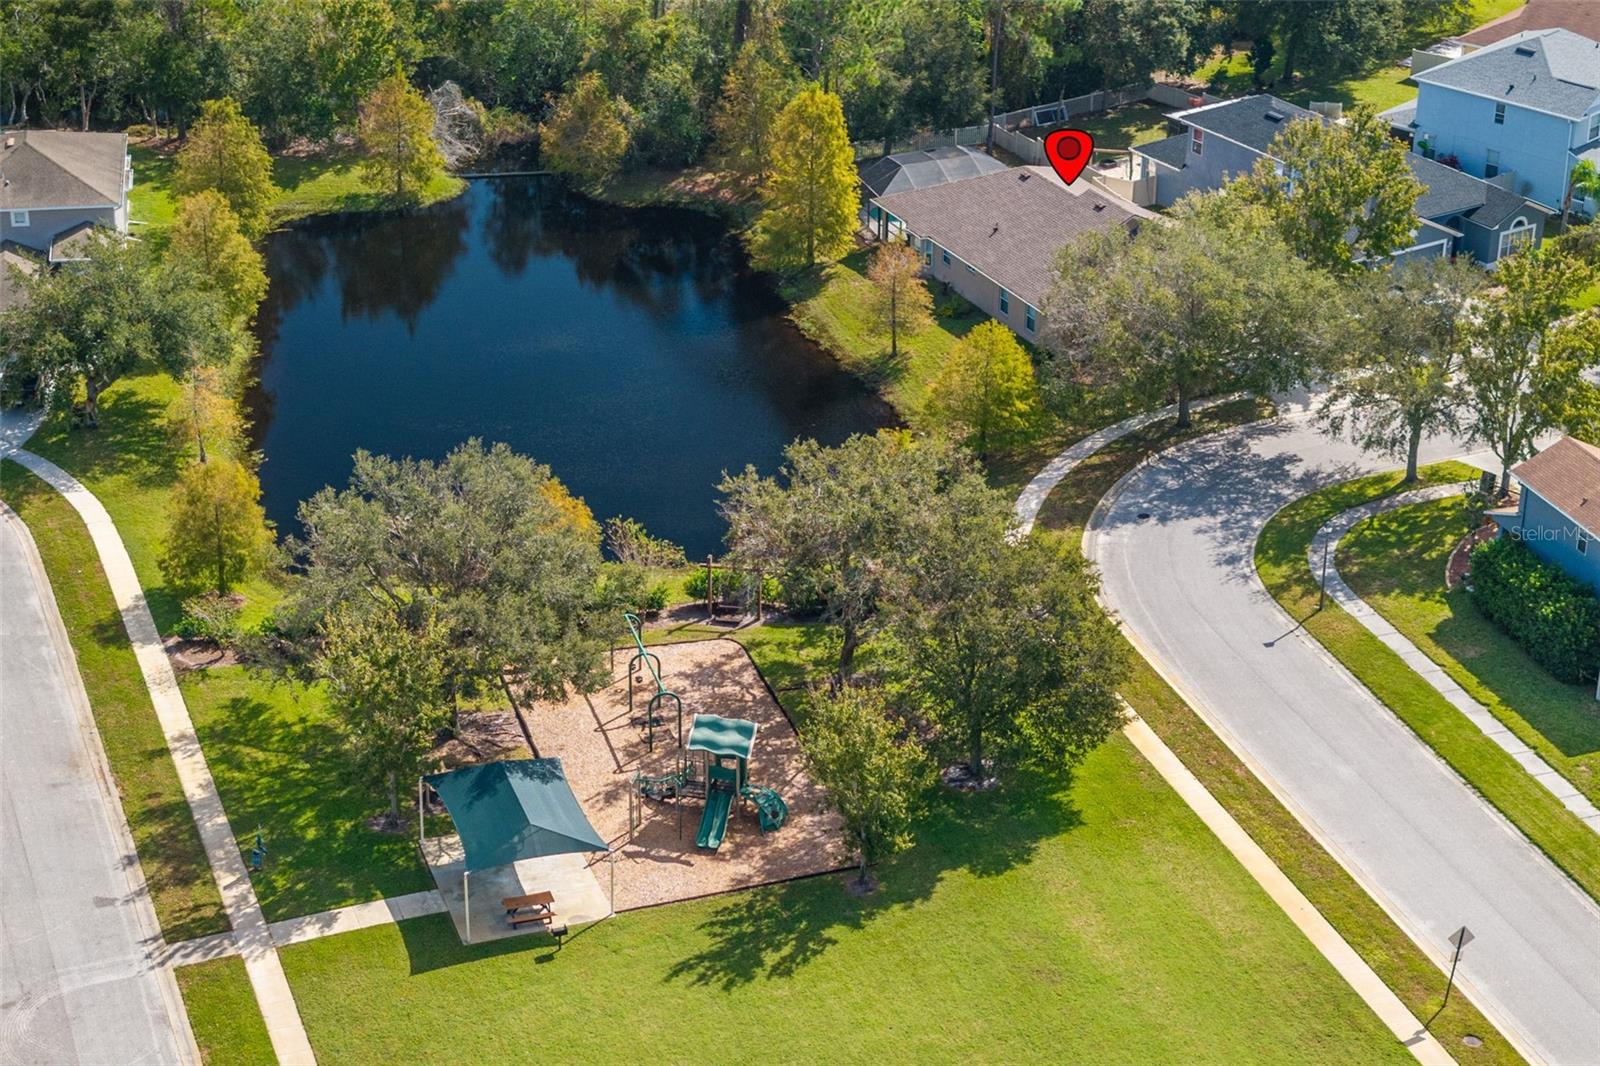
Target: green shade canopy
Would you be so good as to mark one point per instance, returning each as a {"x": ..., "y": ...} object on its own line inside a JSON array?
[
  {"x": 517, "y": 809},
  {"x": 722, "y": 736}
]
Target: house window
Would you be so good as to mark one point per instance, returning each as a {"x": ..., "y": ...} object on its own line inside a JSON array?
[
  {"x": 1197, "y": 140},
  {"x": 1029, "y": 317},
  {"x": 1491, "y": 163},
  {"x": 971, "y": 269},
  {"x": 19, "y": 218},
  {"x": 1583, "y": 543},
  {"x": 1594, "y": 127},
  {"x": 1499, "y": 114},
  {"x": 944, "y": 255},
  {"x": 1005, "y": 302},
  {"x": 1519, "y": 236},
  {"x": 927, "y": 250}
]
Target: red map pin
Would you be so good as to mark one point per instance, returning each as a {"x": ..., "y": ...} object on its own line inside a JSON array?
[{"x": 1068, "y": 152}]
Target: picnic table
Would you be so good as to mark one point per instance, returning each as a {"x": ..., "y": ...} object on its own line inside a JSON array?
[{"x": 534, "y": 907}]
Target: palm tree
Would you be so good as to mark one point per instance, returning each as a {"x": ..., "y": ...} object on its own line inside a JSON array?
[{"x": 1584, "y": 182}]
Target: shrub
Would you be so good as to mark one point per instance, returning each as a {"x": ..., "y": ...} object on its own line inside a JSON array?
[
  {"x": 208, "y": 617},
  {"x": 655, "y": 597},
  {"x": 629, "y": 542},
  {"x": 1554, "y": 617}
]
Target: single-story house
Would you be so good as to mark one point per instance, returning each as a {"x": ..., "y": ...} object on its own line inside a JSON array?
[
  {"x": 1558, "y": 510},
  {"x": 56, "y": 186},
  {"x": 1457, "y": 214},
  {"x": 994, "y": 239},
  {"x": 923, "y": 168}
]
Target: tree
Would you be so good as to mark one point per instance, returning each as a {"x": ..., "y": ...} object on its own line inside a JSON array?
[
  {"x": 205, "y": 412},
  {"x": 1132, "y": 39},
  {"x": 86, "y": 325},
  {"x": 903, "y": 301},
  {"x": 985, "y": 390},
  {"x": 754, "y": 91},
  {"x": 870, "y": 772},
  {"x": 1395, "y": 382},
  {"x": 1523, "y": 374},
  {"x": 535, "y": 50},
  {"x": 586, "y": 134},
  {"x": 1002, "y": 645},
  {"x": 217, "y": 530},
  {"x": 1341, "y": 193},
  {"x": 206, "y": 239},
  {"x": 476, "y": 544},
  {"x": 1582, "y": 184},
  {"x": 812, "y": 200},
  {"x": 837, "y": 521},
  {"x": 386, "y": 684},
  {"x": 1213, "y": 301},
  {"x": 396, "y": 137},
  {"x": 224, "y": 152}
]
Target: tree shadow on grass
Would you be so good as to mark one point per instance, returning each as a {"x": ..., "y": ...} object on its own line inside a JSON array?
[
  {"x": 772, "y": 932},
  {"x": 131, "y": 441}
]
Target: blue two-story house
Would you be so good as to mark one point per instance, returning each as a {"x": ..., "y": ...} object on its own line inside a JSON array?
[
  {"x": 1558, "y": 510},
  {"x": 1457, "y": 213},
  {"x": 1520, "y": 112}
]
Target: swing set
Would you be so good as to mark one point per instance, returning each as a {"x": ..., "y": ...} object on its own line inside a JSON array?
[{"x": 650, "y": 718}]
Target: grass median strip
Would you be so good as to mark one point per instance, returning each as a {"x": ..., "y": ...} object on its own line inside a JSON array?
[
  {"x": 227, "y": 1023},
  {"x": 174, "y": 862},
  {"x": 1285, "y": 570},
  {"x": 1396, "y": 561}
]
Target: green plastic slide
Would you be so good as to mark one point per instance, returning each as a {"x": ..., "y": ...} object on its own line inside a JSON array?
[{"x": 714, "y": 823}]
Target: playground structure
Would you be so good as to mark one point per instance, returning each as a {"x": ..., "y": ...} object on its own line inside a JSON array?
[
  {"x": 650, "y": 719},
  {"x": 715, "y": 767},
  {"x": 653, "y": 835}
]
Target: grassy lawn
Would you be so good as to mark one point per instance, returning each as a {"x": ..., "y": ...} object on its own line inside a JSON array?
[
  {"x": 834, "y": 308},
  {"x": 131, "y": 464},
  {"x": 174, "y": 863},
  {"x": 278, "y": 761},
  {"x": 1126, "y": 126},
  {"x": 1096, "y": 913},
  {"x": 1396, "y": 562},
  {"x": 223, "y": 1013},
  {"x": 1284, "y": 569},
  {"x": 310, "y": 186}
]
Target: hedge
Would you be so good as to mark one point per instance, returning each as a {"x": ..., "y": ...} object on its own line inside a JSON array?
[{"x": 1553, "y": 616}]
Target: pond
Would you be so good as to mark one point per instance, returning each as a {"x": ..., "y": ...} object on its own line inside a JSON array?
[{"x": 631, "y": 350}]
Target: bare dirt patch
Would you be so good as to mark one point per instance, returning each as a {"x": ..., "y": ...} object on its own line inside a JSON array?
[{"x": 601, "y": 749}]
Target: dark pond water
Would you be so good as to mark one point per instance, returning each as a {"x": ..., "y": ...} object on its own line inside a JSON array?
[{"x": 631, "y": 350}]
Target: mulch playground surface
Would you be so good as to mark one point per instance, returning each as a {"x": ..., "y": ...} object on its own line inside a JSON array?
[{"x": 601, "y": 748}]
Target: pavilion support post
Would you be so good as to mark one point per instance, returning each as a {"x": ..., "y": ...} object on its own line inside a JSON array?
[
  {"x": 611, "y": 859},
  {"x": 466, "y": 904},
  {"x": 422, "y": 825}
]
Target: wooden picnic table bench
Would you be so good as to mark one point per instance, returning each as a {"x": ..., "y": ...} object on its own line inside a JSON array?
[{"x": 534, "y": 907}]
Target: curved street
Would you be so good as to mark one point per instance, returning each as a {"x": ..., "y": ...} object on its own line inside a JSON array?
[{"x": 1175, "y": 543}]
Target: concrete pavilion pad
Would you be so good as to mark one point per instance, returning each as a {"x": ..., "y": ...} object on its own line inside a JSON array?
[{"x": 580, "y": 896}]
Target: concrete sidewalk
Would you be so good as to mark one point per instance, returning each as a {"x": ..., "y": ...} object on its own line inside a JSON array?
[
  {"x": 250, "y": 931},
  {"x": 1327, "y": 540}
]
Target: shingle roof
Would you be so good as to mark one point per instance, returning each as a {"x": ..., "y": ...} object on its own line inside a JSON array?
[
  {"x": 925, "y": 168},
  {"x": 1449, "y": 192},
  {"x": 1010, "y": 225},
  {"x": 73, "y": 245},
  {"x": 13, "y": 255},
  {"x": 1567, "y": 475},
  {"x": 1171, "y": 150},
  {"x": 54, "y": 168},
  {"x": 1251, "y": 120},
  {"x": 1550, "y": 70}
]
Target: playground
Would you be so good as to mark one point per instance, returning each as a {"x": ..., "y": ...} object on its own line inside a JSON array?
[{"x": 686, "y": 822}]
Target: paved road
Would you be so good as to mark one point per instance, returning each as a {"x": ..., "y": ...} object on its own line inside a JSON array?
[
  {"x": 1438, "y": 857},
  {"x": 76, "y": 929}
]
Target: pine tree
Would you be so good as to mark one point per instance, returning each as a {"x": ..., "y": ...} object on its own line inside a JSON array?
[
  {"x": 812, "y": 201},
  {"x": 224, "y": 152},
  {"x": 207, "y": 240},
  {"x": 218, "y": 532},
  {"x": 756, "y": 87},
  {"x": 587, "y": 133},
  {"x": 985, "y": 392},
  {"x": 396, "y": 136},
  {"x": 903, "y": 301}
]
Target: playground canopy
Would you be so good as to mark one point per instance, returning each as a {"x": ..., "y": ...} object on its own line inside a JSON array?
[
  {"x": 722, "y": 736},
  {"x": 516, "y": 809}
]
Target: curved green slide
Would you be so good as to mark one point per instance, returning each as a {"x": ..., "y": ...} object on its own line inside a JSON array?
[{"x": 714, "y": 823}]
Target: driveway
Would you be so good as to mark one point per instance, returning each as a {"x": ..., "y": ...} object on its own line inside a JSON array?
[
  {"x": 1433, "y": 853},
  {"x": 77, "y": 931}
]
